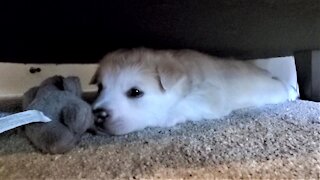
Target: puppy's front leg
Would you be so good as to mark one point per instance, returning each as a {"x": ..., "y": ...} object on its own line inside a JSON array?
[{"x": 206, "y": 101}]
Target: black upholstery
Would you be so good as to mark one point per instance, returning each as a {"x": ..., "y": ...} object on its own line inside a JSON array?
[{"x": 82, "y": 31}]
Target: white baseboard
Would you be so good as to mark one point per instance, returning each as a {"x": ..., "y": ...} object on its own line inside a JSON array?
[
  {"x": 284, "y": 68},
  {"x": 15, "y": 78}
]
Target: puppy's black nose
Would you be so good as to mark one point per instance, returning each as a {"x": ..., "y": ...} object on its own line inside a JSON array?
[{"x": 101, "y": 115}]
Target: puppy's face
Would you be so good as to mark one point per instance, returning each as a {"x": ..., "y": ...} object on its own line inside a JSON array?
[{"x": 134, "y": 92}]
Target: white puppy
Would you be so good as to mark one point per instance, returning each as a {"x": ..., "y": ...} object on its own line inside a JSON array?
[{"x": 141, "y": 88}]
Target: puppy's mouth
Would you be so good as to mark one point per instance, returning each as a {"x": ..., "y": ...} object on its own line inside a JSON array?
[
  {"x": 97, "y": 131},
  {"x": 98, "y": 127},
  {"x": 102, "y": 131},
  {"x": 106, "y": 128}
]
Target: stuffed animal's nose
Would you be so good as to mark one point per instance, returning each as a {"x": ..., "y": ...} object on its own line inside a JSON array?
[{"x": 101, "y": 115}]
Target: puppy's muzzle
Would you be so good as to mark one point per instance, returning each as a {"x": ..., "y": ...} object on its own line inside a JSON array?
[{"x": 101, "y": 117}]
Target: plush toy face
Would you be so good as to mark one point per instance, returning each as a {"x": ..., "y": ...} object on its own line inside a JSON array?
[{"x": 58, "y": 98}]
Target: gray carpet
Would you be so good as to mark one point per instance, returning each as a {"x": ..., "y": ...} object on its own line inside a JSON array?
[{"x": 274, "y": 141}]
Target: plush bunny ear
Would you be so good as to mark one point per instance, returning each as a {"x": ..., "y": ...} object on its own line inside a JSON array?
[
  {"x": 73, "y": 85},
  {"x": 54, "y": 80},
  {"x": 170, "y": 75},
  {"x": 28, "y": 97}
]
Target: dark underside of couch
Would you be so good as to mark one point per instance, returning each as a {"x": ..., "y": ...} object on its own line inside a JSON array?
[{"x": 82, "y": 31}]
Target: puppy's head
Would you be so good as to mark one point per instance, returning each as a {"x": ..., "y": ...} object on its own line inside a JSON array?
[{"x": 137, "y": 89}]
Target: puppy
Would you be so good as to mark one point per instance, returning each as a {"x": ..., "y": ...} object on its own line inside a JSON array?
[{"x": 142, "y": 87}]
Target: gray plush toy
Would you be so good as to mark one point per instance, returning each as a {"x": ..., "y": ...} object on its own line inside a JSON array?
[{"x": 59, "y": 99}]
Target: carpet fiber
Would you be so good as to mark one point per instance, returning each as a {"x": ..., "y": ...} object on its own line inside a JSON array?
[{"x": 274, "y": 141}]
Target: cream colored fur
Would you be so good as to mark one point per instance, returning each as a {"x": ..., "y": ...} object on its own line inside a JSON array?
[{"x": 179, "y": 86}]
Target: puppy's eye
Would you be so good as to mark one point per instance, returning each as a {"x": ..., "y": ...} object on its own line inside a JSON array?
[
  {"x": 100, "y": 87},
  {"x": 134, "y": 93}
]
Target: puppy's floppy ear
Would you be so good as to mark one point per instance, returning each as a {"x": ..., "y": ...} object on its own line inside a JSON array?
[
  {"x": 94, "y": 79},
  {"x": 170, "y": 74}
]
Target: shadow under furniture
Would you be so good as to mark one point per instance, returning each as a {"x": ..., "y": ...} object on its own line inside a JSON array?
[{"x": 83, "y": 31}]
